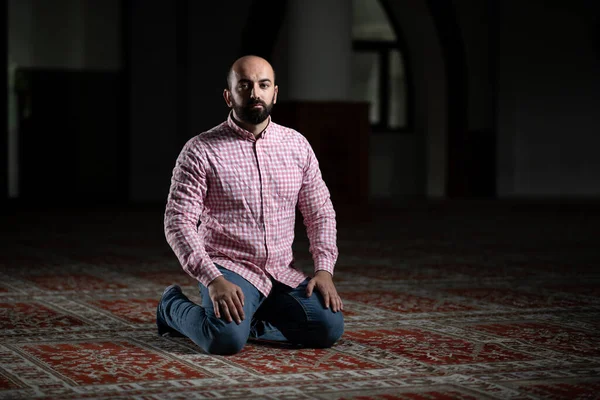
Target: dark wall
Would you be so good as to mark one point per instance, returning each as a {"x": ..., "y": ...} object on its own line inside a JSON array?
[
  {"x": 537, "y": 89},
  {"x": 3, "y": 104},
  {"x": 180, "y": 53},
  {"x": 70, "y": 129},
  {"x": 548, "y": 98}
]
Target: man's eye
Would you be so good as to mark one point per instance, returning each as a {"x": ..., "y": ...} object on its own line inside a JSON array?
[
  {"x": 264, "y": 85},
  {"x": 244, "y": 86}
]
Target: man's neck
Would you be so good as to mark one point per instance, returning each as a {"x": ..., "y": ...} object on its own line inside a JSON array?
[{"x": 256, "y": 130}]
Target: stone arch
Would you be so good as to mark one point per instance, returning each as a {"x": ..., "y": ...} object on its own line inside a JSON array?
[
  {"x": 418, "y": 28},
  {"x": 430, "y": 90}
]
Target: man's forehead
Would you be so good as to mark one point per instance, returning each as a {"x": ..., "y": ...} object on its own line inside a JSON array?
[
  {"x": 242, "y": 78},
  {"x": 253, "y": 74}
]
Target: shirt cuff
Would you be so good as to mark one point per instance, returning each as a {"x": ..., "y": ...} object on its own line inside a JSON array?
[
  {"x": 324, "y": 264},
  {"x": 210, "y": 275},
  {"x": 206, "y": 272}
]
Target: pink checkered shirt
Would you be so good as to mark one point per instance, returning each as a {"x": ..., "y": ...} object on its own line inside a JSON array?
[{"x": 244, "y": 192}]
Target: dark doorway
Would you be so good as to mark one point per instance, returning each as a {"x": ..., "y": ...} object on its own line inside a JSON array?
[{"x": 471, "y": 170}]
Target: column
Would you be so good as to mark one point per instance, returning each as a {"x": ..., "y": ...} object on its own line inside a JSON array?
[{"x": 320, "y": 49}]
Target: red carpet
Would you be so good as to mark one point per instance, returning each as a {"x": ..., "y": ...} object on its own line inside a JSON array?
[{"x": 488, "y": 301}]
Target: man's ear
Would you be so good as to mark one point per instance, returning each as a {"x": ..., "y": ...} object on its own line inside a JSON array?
[
  {"x": 227, "y": 97},
  {"x": 276, "y": 89}
]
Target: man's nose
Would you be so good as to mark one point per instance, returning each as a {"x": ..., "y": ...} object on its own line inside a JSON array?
[{"x": 253, "y": 93}]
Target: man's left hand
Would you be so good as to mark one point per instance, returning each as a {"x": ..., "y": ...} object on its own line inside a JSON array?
[{"x": 323, "y": 281}]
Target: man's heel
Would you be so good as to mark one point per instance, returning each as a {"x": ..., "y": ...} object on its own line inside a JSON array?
[{"x": 162, "y": 327}]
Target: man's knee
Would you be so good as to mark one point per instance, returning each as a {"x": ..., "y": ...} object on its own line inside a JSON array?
[
  {"x": 329, "y": 330},
  {"x": 218, "y": 337},
  {"x": 228, "y": 339}
]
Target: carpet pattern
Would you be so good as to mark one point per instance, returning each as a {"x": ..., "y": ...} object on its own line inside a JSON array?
[{"x": 488, "y": 302}]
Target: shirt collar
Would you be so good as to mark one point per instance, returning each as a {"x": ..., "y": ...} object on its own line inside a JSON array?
[{"x": 244, "y": 133}]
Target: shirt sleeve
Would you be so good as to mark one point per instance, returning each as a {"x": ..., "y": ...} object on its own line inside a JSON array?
[
  {"x": 184, "y": 206},
  {"x": 314, "y": 202}
]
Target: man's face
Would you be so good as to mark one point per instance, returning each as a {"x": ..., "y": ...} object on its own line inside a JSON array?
[
  {"x": 252, "y": 110},
  {"x": 252, "y": 91}
]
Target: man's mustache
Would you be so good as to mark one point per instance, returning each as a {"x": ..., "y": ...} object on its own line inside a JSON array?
[{"x": 254, "y": 102}]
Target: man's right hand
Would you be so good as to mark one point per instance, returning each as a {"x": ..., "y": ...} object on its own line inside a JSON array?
[{"x": 227, "y": 299}]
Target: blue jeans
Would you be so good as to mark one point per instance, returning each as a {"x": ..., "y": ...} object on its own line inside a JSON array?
[{"x": 286, "y": 315}]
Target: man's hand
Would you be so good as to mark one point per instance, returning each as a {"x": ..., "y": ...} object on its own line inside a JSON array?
[
  {"x": 227, "y": 299},
  {"x": 324, "y": 284}
]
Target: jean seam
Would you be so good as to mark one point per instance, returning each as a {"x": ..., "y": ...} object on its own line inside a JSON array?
[{"x": 301, "y": 305}]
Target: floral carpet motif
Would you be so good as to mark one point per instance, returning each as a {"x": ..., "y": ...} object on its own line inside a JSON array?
[{"x": 483, "y": 301}]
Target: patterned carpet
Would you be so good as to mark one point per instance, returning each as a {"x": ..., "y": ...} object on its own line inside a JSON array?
[{"x": 446, "y": 301}]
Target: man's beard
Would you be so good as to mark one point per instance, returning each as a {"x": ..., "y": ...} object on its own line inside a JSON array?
[{"x": 251, "y": 115}]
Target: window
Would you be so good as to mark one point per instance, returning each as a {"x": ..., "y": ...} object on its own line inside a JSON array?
[{"x": 379, "y": 73}]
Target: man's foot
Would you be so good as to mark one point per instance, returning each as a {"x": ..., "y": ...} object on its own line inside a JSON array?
[
  {"x": 163, "y": 328},
  {"x": 274, "y": 343},
  {"x": 276, "y": 339}
]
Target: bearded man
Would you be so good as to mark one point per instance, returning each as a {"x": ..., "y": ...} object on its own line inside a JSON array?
[{"x": 230, "y": 219}]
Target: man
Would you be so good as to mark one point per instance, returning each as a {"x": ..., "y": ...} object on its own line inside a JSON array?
[{"x": 242, "y": 180}]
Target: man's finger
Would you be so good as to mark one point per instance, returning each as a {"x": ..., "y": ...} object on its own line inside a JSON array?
[
  {"x": 335, "y": 306},
  {"x": 225, "y": 310},
  {"x": 327, "y": 299},
  {"x": 239, "y": 309},
  {"x": 240, "y": 294},
  {"x": 216, "y": 309},
  {"x": 309, "y": 288},
  {"x": 233, "y": 311}
]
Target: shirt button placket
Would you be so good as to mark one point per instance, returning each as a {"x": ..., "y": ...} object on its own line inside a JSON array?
[{"x": 258, "y": 145}]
